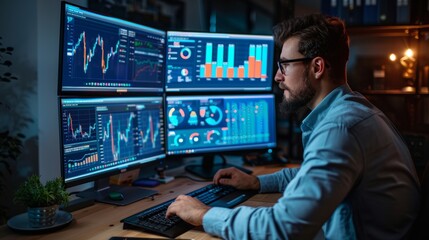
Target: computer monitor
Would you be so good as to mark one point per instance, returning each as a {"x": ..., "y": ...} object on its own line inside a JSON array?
[
  {"x": 104, "y": 54},
  {"x": 202, "y": 61},
  {"x": 209, "y": 125},
  {"x": 101, "y": 137}
]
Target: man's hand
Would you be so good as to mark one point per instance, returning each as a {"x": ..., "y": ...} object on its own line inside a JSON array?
[
  {"x": 236, "y": 178},
  {"x": 189, "y": 209}
]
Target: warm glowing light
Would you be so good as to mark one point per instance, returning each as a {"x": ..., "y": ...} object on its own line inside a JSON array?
[
  {"x": 392, "y": 57},
  {"x": 409, "y": 53}
]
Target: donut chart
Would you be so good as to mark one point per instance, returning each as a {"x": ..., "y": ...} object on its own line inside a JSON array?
[
  {"x": 185, "y": 53},
  {"x": 176, "y": 116}
]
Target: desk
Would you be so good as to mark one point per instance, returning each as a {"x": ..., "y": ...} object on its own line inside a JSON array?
[{"x": 102, "y": 221}]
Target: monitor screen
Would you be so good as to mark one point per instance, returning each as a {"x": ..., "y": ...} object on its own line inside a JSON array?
[
  {"x": 198, "y": 62},
  {"x": 104, "y": 136},
  {"x": 103, "y": 54},
  {"x": 218, "y": 124}
]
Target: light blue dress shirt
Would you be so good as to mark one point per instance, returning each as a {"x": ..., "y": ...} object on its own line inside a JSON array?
[{"x": 357, "y": 181}]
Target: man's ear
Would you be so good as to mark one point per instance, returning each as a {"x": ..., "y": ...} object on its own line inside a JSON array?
[{"x": 319, "y": 67}]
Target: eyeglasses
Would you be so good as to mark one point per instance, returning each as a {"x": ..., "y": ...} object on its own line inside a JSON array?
[{"x": 280, "y": 62}]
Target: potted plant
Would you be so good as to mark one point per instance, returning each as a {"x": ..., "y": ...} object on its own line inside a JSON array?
[{"x": 42, "y": 200}]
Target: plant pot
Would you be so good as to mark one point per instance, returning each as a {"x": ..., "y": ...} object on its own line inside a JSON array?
[{"x": 40, "y": 217}]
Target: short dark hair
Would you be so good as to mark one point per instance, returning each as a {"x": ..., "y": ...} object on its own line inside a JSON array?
[{"x": 319, "y": 35}]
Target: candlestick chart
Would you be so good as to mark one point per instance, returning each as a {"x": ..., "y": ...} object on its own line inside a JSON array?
[
  {"x": 101, "y": 54},
  {"x": 99, "y": 134}
]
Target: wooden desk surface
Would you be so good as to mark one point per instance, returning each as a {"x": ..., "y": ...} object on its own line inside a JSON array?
[{"x": 102, "y": 221}]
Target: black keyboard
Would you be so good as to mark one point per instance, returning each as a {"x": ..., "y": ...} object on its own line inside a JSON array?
[{"x": 153, "y": 219}]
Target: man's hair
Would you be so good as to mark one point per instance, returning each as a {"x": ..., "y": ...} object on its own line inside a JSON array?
[{"x": 319, "y": 36}]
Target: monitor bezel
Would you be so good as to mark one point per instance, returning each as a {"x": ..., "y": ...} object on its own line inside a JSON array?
[
  {"x": 271, "y": 68},
  {"x": 238, "y": 150},
  {"x": 114, "y": 170},
  {"x": 99, "y": 92}
]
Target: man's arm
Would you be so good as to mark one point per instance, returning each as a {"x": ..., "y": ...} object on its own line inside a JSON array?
[
  {"x": 192, "y": 210},
  {"x": 327, "y": 175}
]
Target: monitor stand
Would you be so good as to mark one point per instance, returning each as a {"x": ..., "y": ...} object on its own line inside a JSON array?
[
  {"x": 102, "y": 189},
  {"x": 208, "y": 168}
]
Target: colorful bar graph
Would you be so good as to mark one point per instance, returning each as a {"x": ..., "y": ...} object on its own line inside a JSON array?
[{"x": 254, "y": 65}]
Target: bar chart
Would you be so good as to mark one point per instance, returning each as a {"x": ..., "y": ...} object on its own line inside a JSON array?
[
  {"x": 254, "y": 67},
  {"x": 218, "y": 62}
]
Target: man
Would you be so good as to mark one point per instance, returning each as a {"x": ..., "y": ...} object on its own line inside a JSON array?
[{"x": 357, "y": 179}]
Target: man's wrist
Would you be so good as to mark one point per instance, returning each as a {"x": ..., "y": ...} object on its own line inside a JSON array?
[
  {"x": 201, "y": 215},
  {"x": 256, "y": 184}
]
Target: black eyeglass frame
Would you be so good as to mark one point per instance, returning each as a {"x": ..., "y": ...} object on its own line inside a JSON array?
[{"x": 280, "y": 62}]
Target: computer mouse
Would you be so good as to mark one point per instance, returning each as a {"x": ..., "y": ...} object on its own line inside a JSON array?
[{"x": 116, "y": 196}]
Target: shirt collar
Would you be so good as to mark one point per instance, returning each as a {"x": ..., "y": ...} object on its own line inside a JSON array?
[{"x": 320, "y": 111}]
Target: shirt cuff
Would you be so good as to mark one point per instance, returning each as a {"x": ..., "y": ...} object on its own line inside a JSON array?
[{"x": 215, "y": 219}]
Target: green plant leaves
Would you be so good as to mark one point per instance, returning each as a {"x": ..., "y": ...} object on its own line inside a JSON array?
[{"x": 32, "y": 193}]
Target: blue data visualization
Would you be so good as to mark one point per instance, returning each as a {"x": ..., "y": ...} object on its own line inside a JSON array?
[
  {"x": 218, "y": 62},
  {"x": 100, "y": 134},
  {"x": 101, "y": 53},
  {"x": 198, "y": 124}
]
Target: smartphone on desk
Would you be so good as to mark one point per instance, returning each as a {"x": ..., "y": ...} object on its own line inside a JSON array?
[{"x": 142, "y": 238}]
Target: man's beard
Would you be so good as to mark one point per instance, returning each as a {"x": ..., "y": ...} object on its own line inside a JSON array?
[{"x": 298, "y": 98}]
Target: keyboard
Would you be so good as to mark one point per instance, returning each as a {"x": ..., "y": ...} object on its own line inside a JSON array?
[{"x": 153, "y": 219}]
